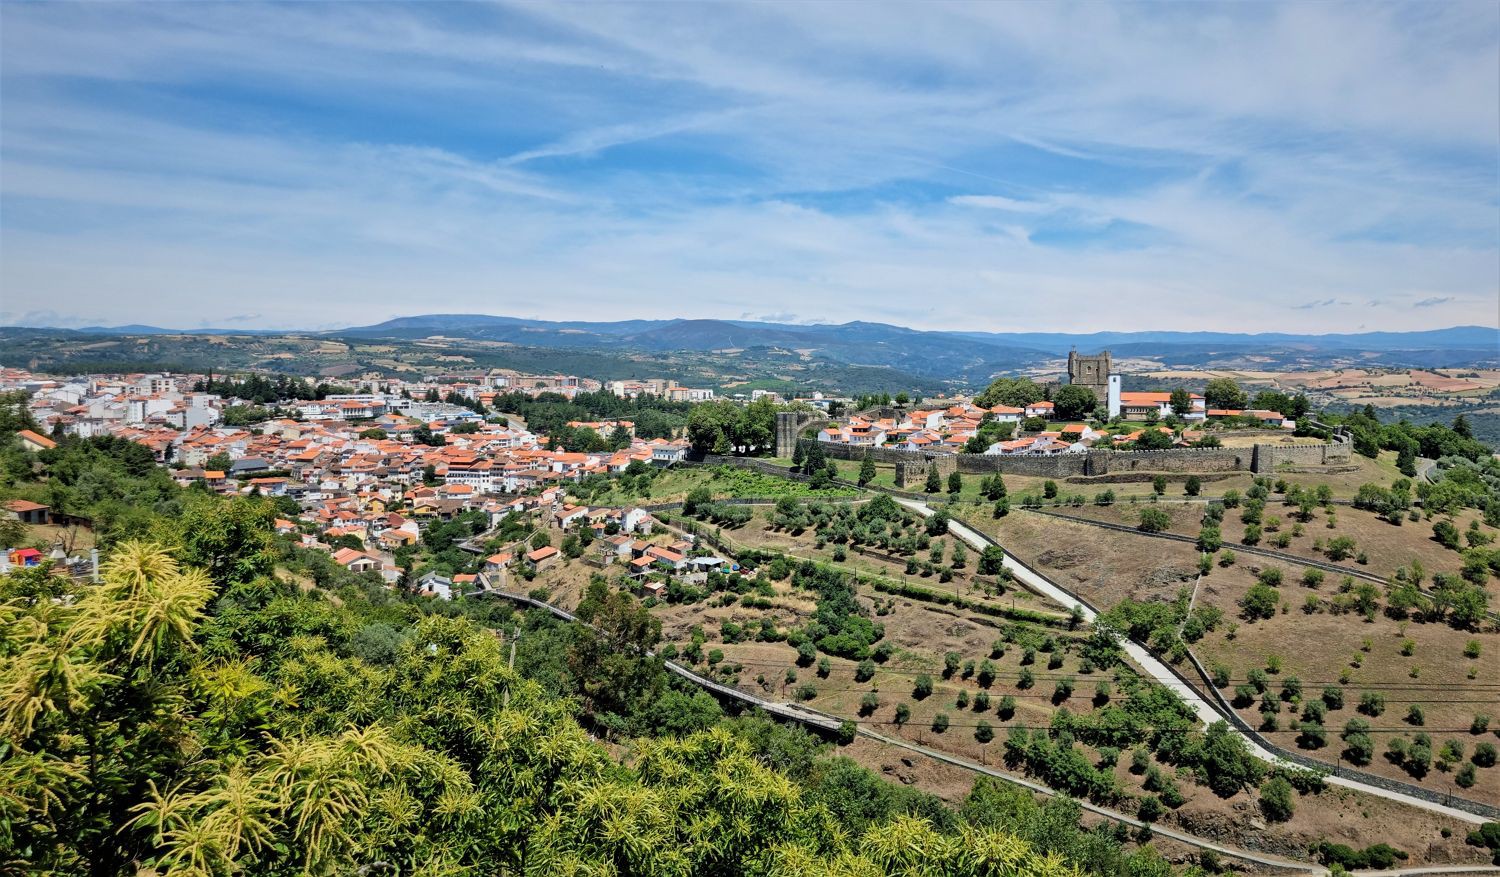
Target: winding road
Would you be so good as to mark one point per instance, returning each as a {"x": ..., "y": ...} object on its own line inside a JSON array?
[{"x": 1205, "y": 711}]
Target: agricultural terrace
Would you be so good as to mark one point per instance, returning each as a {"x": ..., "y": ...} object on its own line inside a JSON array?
[
  {"x": 950, "y": 665},
  {"x": 1298, "y": 649}
]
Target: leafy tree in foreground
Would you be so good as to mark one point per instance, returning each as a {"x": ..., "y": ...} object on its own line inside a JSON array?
[{"x": 224, "y": 750}]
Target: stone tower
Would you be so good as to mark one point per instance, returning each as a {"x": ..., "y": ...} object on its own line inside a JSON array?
[{"x": 1091, "y": 372}]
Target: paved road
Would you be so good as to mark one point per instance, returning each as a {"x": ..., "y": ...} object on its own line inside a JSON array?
[{"x": 1206, "y": 712}]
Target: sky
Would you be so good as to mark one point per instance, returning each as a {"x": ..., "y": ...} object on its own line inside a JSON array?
[{"x": 1308, "y": 167}]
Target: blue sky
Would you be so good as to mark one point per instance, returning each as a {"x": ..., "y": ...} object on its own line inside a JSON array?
[{"x": 998, "y": 166}]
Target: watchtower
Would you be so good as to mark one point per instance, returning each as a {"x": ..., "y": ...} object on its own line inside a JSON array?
[{"x": 1090, "y": 371}]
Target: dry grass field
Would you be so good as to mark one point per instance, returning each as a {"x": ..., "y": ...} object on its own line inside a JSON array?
[
  {"x": 1322, "y": 649},
  {"x": 1385, "y": 547},
  {"x": 1314, "y": 645}
]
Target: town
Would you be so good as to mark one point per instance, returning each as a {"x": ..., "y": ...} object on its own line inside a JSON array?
[{"x": 360, "y": 473}]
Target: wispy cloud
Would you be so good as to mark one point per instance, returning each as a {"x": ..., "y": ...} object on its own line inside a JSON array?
[
  {"x": 1000, "y": 202},
  {"x": 645, "y": 161}
]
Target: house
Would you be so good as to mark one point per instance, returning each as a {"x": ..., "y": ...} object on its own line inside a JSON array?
[
  {"x": 615, "y": 548},
  {"x": 1007, "y": 414},
  {"x": 1142, "y": 405},
  {"x": 497, "y": 562},
  {"x": 435, "y": 585},
  {"x": 655, "y": 589},
  {"x": 34, "y": 441},
  {"x": 542, "y": 557},
  {"x": 567, "y": 516},
  {"x": 1043, "y": 410},
  {"x": 1271, "y": 419},
  {"x": 28, "y": 512},
  {"x": 355, "y": 560},
  {"x": 666, "y": 455},
  {"x": 667, "y": 557},
  {"x": 248, "y": 466},
  {"x": 269, "y": 486}
]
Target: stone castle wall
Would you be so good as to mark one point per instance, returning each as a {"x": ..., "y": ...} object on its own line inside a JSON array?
[{"x": 1259, "y": 458}]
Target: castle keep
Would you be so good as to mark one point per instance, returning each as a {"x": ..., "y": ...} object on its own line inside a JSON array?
[{"x": 1091, "y": 372}]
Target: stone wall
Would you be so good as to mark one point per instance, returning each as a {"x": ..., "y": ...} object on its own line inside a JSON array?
[
  {"x": 1259, "y": 458},
  {"x": 1171, "y": 460},
  {"x": 789, "y": 427},
  {"x": 1268, "y": 457}
]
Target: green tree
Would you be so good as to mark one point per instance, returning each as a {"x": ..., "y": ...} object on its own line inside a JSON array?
[
  {"x": 866, "y": 470},
  {"x": 1074, "y": 402},
  {"x": 1224, "y": 393},
  {"x": 1014, "y": 392}
]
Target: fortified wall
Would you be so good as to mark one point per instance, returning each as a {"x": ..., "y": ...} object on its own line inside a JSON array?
[{"x": 1260, "y": 458}]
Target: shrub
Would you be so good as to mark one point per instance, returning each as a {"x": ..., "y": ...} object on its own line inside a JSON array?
[
  {"x": 1276, "y": 800},
  {"x": 1150, "y": 809},
  {"x": 1359, "y": 748},
  {"x": 1007, "y": 707},
  {"x": 922, "y": 688},
  {"x": 940, "y": 723},
  {"x": 864, "y": 671},
  {"x": 903, "y": 714},
  {"x": 1372, "y": 703},
  {"x": 1465, "y": 776},
  {"x": 1415, "y": 716},
  {"x": 1311, "y": 736},
  {"x": 1484, "y": 755},
  {"x": 1333, "y": 697},
  {"x": 983, "y": 732},
  {"x": 1260, "y": 601},
  {"x": 869, "y": 703},
  {"x": 1154, "y": 520}
]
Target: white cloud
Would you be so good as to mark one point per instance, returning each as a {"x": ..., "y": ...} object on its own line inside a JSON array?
[{"x": 972, "y": 166}]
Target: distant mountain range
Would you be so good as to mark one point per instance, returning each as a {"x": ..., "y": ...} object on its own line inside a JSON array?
[{"x": 967, "y": 356}]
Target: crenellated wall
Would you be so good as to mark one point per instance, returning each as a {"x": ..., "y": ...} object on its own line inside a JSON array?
[{"x": 1258, "y": 458}]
